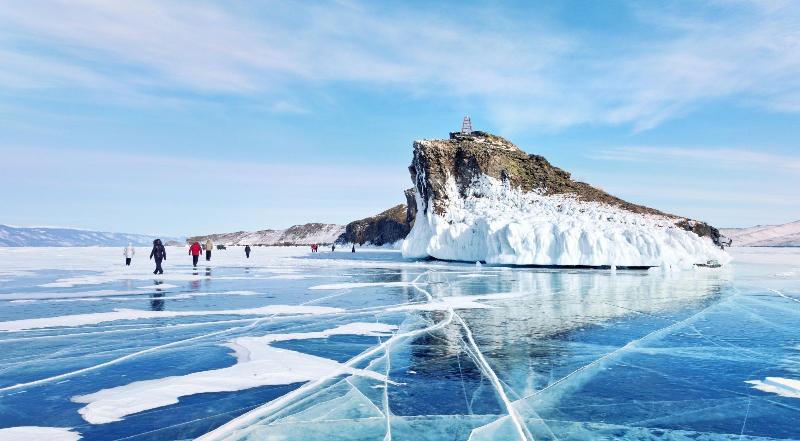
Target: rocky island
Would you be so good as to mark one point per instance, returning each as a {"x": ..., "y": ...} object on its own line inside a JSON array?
[{"x": 481, "y": 198}]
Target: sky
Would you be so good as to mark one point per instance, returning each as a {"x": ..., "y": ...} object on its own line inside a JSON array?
[{"x": 192, "y": 117}]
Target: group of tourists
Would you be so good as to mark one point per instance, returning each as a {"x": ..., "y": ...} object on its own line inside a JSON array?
[
  {"x": 159, "y": 253},
  {"x": 315, "y": 248},
  {"x": 196, "y": 249}
]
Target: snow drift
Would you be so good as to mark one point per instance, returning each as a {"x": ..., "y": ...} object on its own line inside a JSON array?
[{"x": 480, "y": 198}]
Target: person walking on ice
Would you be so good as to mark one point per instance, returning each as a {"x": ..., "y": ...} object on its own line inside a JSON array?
[
  {"x": 159, "y": 253},
  {"x": 247, "y": 251},
  {"x": 354, "y": 249},
  {"x": 209, "y": 247},
  {"x": 195, "y": 251},
  {"x": 129, "y": 251}
]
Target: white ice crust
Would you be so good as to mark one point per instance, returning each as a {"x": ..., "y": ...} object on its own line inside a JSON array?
[
  {"x": 37, "y": 433},
  {"x": 502, "y": 225},
  {"x": 257, "y": 364},
  {"x": 784, "y": 387}
]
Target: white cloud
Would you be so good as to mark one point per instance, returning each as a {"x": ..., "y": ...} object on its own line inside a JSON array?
[{"x": 528, "y": 74}]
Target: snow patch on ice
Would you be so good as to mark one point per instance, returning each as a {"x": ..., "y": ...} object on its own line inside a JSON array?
[
  {"x": 784, "y": 387},
  {"x": 114, "y": 276},
  {"x": 257, "y": 364},
  {"x": 502, "y": 225},
  {"x": 135, "y": 314},
  {"x": 38, "y": 433}
]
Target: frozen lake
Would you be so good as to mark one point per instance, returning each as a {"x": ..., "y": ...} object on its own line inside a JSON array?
[{"x": 337, "y": 346}]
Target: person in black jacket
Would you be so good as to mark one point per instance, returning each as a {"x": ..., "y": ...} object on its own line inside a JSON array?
[
  {"x": 159, "y": 253},
  {"x": 247, "y": 251}
]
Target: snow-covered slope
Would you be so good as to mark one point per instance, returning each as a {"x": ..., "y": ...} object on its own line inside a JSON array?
[
  {"x": 786, "y": 235},
  {"x": 68, "y": 237},
  {"x": 480, "y": 198},
  {"x": 296, "y": 235}
]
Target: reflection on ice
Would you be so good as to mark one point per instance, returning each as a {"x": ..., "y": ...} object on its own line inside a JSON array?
[
  {"x": 374, "y": 346},
  {"x": 361, "y": 285}
]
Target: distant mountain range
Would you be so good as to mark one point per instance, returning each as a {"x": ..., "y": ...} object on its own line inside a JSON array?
[
  {"x": 70, "y": 237},
  {"x": 305, "y": 234},
  {"x": 786, "y": 235}
]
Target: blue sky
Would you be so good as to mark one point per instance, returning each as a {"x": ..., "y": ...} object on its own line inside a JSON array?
[{"x": 185, "y": 117}]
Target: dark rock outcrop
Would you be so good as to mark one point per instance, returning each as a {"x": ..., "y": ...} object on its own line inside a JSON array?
[
  {"x": 411, "y": 207},
  {"x": 384, "y": 228},
  {"x": 467, "y": 156}
]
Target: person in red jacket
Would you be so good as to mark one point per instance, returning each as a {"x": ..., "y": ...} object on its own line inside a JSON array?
[{"x": 195, "y": 251}]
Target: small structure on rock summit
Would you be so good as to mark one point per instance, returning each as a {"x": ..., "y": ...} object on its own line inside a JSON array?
[{"x": 466, "y": 126}]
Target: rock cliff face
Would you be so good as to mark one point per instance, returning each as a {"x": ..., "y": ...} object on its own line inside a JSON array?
[
  {"x": 385, "y": 228},
  {"x": 479, "y": 197},
  {"x": 305, "y": 234}
]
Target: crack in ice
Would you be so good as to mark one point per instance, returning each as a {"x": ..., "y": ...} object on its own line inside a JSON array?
[{"x": 277, "y": 404}]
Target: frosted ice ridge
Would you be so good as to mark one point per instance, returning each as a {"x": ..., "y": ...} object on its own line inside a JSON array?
[{"x": 498, "y": 224}]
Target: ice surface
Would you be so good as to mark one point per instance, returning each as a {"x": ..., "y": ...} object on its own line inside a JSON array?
[
  {"x": 396, "y": 349},
  {"x": 502, "y": 225},
  {"x": 352, "y": 285},
  {"x": 456, "y": 302}
]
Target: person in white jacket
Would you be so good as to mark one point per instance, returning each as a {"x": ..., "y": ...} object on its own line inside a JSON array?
[
  {"x": 129, "y": 251},
  {"x": 209, "y": 247}
]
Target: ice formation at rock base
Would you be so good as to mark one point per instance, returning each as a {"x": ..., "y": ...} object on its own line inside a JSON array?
[{"x": 498, "y": 224}]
